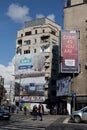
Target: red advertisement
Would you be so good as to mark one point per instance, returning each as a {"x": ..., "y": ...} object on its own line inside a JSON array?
[{"x": 69, "y": 51}]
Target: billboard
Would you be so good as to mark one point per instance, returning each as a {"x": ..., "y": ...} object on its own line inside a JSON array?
[
  {"x": 28, "y": 65},
  {"x": 69, "y": 51},
  {"x": 30, "y": 86},
  {"x": 33, "y": 99},
  {"x": 29, "y": 74},
  {"x": 63, "y": 86}
]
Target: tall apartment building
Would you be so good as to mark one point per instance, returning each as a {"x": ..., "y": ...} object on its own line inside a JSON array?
[
  {"x": 39, "y": 36},
  {"x": 75, "y": 18}
]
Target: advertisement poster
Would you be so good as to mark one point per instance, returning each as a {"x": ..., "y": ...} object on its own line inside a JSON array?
[
  {"x": 28, "y": 65},
  {"x": 63, "y": 86},
  {"x": 30, "y": 86},
  {"x": 29, "y": 75},
  {"x": 69, "y": 51}
]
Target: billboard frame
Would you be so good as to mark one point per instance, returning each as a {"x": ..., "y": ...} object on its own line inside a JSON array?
[{"x": 73, "y": 35}]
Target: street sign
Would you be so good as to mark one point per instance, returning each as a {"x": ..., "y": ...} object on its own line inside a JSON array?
[{"x": 73, "y": 94}]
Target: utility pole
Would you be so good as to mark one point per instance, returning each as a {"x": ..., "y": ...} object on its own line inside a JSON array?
[
  {"x": 73, "y": 95},
  {"x": 19, "y": 87}
]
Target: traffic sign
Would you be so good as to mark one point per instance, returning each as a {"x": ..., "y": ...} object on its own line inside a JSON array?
[{"x": 73, "y": 94}]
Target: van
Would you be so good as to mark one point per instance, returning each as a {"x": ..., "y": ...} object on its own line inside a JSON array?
[{"x": 46, "y": 110}]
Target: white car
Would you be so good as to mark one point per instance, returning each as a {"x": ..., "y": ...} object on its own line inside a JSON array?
[
  {"x": 80, "y": 115},
  {"x": 46, "y": 110}
]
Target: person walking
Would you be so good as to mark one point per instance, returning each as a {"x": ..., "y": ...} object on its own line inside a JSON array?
[
  {"x": 35, "y": 112},
  {"x": 41, "y": 111},
  {"x": 25, "y": 110}
]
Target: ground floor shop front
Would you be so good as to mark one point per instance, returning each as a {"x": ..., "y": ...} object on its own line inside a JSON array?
[{"x": 67, "y": 104}]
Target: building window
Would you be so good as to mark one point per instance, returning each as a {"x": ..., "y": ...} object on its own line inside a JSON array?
[
  {"x": 68, "y": 3},
  {"x": 86, "y": 20},
  {"x": 35, "y": 31},
  {"x": 53, "y": 32},
  {"x": 26, "y": 51},
  {"x": 27, "y": 33},
  {"x": 43, "y": 30},
  {"x": 35, "y": 40},
  {"x": 21, "y": 35},
  {"x": 28, "y": 42},
  {"x": 84, "y": 1},
  {"x": 78, "y": 34},
  {"x": 18, "y": 51},
  {"x": 34, "y": 50}
]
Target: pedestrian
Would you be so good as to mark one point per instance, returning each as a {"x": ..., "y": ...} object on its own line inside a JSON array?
[
  {"x": 12, "y": 108},
  {"x": 17, "y": 109},
  {"x": 25, "y": 110},
  {"x": 55, "y": 110},
  {"x": 35, "y": 112},
  {"x": 41, "y": 111}
]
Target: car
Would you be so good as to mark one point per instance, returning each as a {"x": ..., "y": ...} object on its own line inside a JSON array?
[
  {"x": 4, "y": 114},
  {"x": 80, "y": 115}
]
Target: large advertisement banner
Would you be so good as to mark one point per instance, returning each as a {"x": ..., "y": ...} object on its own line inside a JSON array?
[
  {"x": 29, "y": 74},
  {"x": 69, "y": 51},
  {"x": 63, "y": 86},
  {"x": 28, "y": 65},
  {"x": 30, "y": 86}
]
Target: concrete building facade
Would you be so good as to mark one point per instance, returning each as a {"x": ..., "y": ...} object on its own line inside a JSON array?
[
  {"x": 75, "y": 18},
  {"x": 41, "y": 36}
]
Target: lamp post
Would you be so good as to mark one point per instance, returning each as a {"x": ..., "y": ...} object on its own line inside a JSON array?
[{"x": 19, "y": 87}]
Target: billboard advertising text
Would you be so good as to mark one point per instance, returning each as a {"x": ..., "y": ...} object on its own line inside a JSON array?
[
  {"x": 69, "y": 51},
  {"x": 28, "y": 65}
]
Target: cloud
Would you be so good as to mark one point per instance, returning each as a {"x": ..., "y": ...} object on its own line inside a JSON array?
[
  {"x": 7, "y": 73},
  {"x": 18, "y": 13},
  {"x": 39, "y": 16},
  {"x": 21, "y": 13},
  {"x": 50, "y": 16}
]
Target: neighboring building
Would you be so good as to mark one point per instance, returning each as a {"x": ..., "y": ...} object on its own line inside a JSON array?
[
  {"x": 36, "y": 62},
  {"x": 75, "y": 18},
  {"x": 2, "y": 90},
  {"x": 10, "y": 92}
]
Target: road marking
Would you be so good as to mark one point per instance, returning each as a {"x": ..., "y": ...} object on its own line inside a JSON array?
[{"x": 66, "y": 120}]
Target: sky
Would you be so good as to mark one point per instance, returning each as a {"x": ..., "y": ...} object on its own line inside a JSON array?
[{"x": 13, "y": 13}]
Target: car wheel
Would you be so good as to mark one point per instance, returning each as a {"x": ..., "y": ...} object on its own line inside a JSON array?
[{"x": 77, "y": 119}]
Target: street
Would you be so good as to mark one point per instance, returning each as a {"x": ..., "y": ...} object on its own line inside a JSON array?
[
  {"x": 24, "y": 122},
  {"x": 50, "y": 122}
]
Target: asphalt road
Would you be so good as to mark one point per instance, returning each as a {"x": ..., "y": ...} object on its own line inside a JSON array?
[
  {"x": 26, "y": 122},
  {"x": 50, "y": 122}
]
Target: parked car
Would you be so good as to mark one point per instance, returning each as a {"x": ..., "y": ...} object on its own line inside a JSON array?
[
  {"x": 80, "y": 115},
  {"x": 4, "y": 114}
]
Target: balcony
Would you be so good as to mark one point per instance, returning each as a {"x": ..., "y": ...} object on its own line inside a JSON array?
[
  {"x": 19, "y": 43},
  {"x": 47, "y": 73},
  {"x": 45, "y": 39},
  {"x": 47, "y": 54},
  {"x": 47, "y": 64}
]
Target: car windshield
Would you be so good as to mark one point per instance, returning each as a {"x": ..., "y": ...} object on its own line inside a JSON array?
[{"x": 83, "y": 109}]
